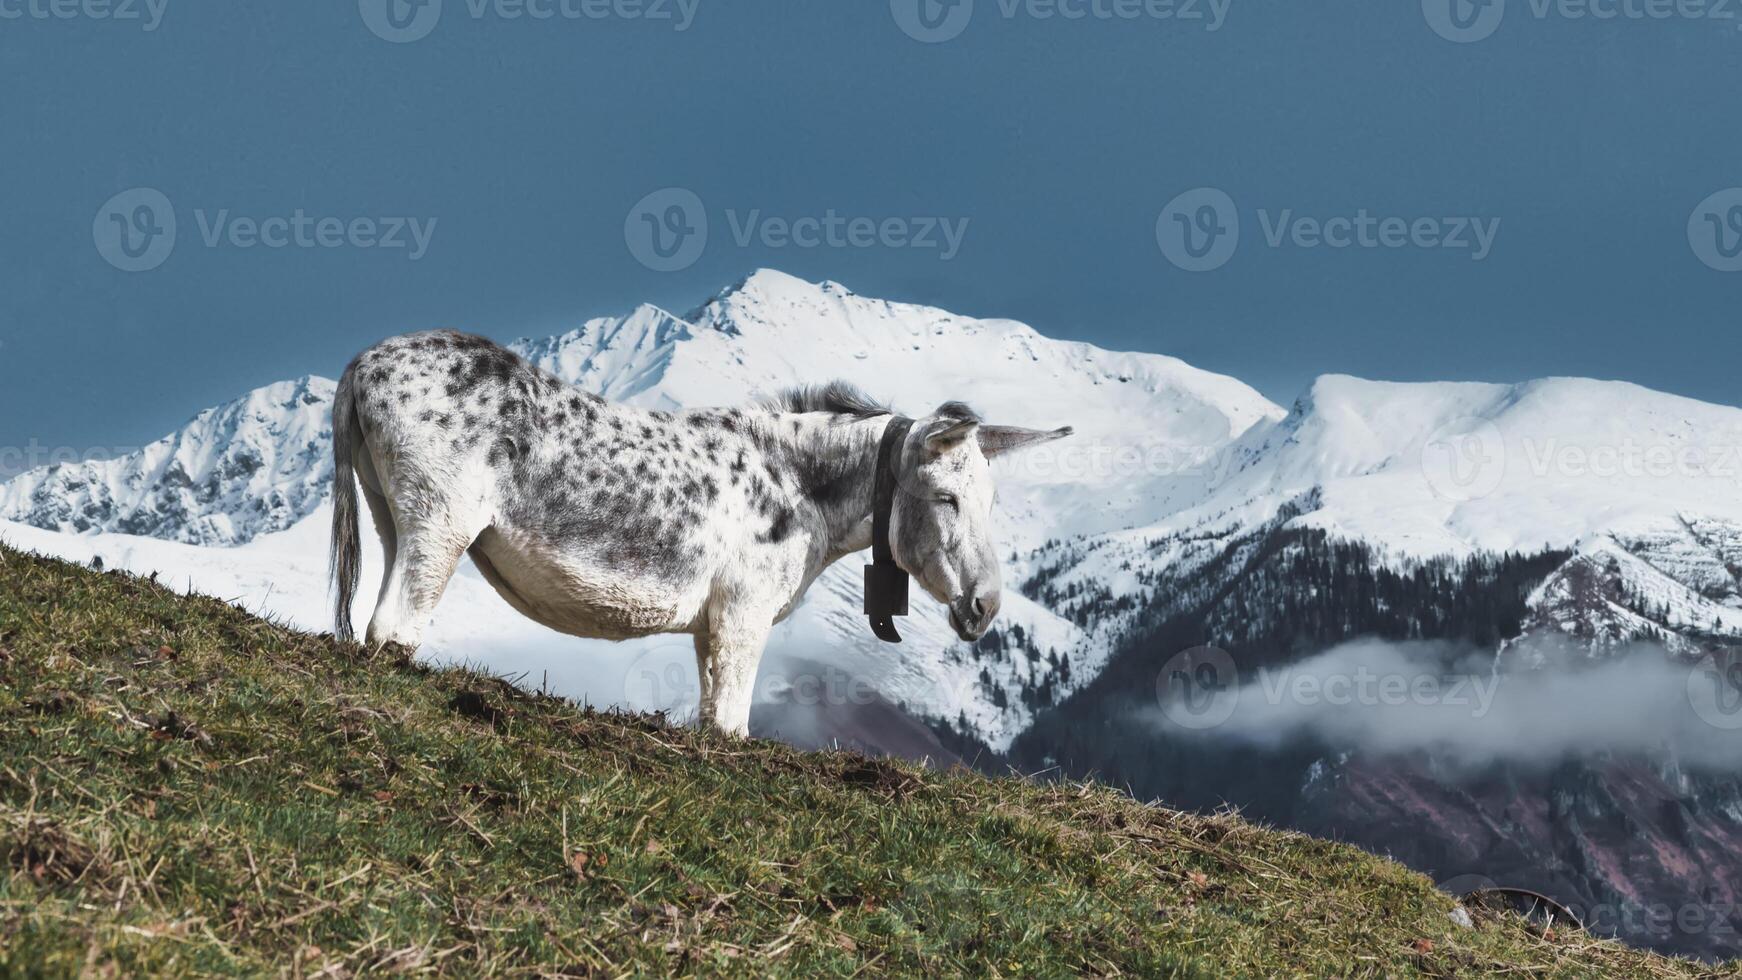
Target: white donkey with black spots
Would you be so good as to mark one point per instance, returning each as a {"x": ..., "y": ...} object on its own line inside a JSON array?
[{"x": 602, "y": 520}]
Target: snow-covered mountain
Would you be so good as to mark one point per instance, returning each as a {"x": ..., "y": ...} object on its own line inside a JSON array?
[
  {"x": 250, "y": 467},
  {"x": 255, "y": 473},
  {"x": 1456, "y": 468},
  {"x": 1145, "y": 423},
  {"x": 1640, "y": 486}
]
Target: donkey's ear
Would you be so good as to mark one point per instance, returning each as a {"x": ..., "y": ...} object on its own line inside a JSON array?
[
  {"x": 996, "y": 440},
  {"x": 947, "y": 434}
]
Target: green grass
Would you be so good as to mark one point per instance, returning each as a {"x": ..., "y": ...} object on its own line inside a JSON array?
[{"x": 188, "y": 790}]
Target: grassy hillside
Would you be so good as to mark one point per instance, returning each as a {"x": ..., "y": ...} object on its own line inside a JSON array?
[{"x": 185, "y": 789}]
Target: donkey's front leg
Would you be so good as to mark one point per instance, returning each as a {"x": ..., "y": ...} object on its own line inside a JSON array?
[{"x": 734, "y": 649}]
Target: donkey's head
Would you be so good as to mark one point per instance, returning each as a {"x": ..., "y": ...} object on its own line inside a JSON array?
[{"x": 940, "y": 525}]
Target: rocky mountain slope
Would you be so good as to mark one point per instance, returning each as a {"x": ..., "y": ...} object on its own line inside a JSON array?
[{"x": 1638, "y": 487}]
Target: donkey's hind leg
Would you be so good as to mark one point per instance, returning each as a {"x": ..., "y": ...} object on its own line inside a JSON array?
[
  {"x": 428, "y": 543},
  {"x": 414, "y": 584},
  {"x": 384, "y": 529}
]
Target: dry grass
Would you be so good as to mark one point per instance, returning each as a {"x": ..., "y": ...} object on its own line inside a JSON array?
[{"x": 188, "y": 790}]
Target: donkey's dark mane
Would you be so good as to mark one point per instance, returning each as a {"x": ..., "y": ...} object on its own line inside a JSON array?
[
  {"x": 835, "y": 398},
  {"x": 849, "y": 402},
  {"x": 959, "y": 412}
]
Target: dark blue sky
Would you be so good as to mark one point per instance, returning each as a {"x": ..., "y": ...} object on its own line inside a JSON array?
[{"x": 1059, "y": 141}]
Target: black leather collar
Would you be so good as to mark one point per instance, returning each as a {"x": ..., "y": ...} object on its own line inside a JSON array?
[{"x": 885, "y": 582}]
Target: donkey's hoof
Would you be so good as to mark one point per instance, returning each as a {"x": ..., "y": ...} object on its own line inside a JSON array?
[{"x": 397, "y": 654}]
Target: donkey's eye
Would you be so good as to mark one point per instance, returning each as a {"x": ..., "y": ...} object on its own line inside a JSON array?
[{"x": 949, "y": 501}]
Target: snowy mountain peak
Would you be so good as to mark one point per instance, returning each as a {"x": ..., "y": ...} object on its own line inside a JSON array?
[
  {"x": 620, "y": 358},
  {"x": 771, "y": 286},
  {"x": 772, "y": 330}
]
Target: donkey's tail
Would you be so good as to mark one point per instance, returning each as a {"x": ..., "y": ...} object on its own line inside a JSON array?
[{"x": 345, "y": 558}]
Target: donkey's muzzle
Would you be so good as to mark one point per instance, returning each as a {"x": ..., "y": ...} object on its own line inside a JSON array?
[{"x": 971, "y": 617}]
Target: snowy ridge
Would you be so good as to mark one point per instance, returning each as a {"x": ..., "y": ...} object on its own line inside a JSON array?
[
  {"x": 252, "y": 466},
  {"x": 621, "y": 359},
  {"x": 1139, "y": 417},
  {"x": 1457, "y": 468},
  {"x": 1644, "y": 487}
]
